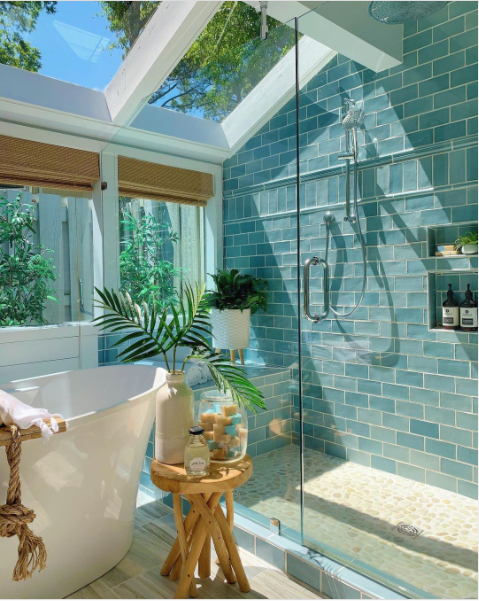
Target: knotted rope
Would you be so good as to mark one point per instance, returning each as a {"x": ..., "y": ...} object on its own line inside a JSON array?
[{"x": 15, "y": 517}]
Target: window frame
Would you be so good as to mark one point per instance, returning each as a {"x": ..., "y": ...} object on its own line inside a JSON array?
[
  {"x": 106, "y": 265},
  {"x": 109, "y": 208}
]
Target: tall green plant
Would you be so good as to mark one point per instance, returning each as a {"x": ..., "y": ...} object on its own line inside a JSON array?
[
  {"x": 151, "y": 332},
  {"x": 143, "y": 270},
  {"x": 26, "y": 272}
]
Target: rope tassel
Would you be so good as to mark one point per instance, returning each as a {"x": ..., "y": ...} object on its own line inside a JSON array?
[{"x": 15, "y": 517}]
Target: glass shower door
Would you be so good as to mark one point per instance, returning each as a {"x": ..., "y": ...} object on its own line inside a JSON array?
[
  {"x": 374, "y": 493},
  {"x": 347, "y": 505}
]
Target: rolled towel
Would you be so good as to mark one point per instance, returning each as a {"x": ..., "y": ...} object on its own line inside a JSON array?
[
  {"x": 193, "y": 376},
  {"x": 13, "y": 411},
  {"x": 201, "y": 365}
]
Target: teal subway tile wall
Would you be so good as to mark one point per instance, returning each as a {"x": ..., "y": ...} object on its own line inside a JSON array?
[{"x": 385, "y": 387}]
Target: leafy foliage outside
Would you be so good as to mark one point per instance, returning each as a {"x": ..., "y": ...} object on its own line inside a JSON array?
[
  {"x": 127, "y": 20},
  {"x": 151, "y": 332},
  {"x": 219, "y": 70},
  {"x": 144, "y": 272},
  {"x": 16, "y": 20},
  {"x": 26, "y": 272},
  {"x": 237, "y": 291},
  {"x": 221, "y": 67}
]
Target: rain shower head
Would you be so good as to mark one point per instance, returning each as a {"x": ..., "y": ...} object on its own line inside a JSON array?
[{"x": 397, "y": 13}]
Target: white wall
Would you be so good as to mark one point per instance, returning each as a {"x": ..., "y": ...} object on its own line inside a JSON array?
[{"x": 40, "y": 350}]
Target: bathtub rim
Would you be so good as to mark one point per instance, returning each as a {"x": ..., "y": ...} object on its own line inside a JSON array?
[{"x": 113, "y": 408}]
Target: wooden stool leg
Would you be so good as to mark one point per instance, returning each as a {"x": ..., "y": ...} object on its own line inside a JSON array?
[
  {"x": 178, "y": 513},
  {"x": 241, "y": 354},
  {"x": 230, "y": 512},
  {"x": 204, "y": 563},
  {"x": 230, "y": 508},
  {"x": 173, "y": 555},
  {"x": 194, "y": 554},
  {"x": 220, "y": 547},
  {"x": 232, "y": 550},
  {"x": 233, "y": 356}
]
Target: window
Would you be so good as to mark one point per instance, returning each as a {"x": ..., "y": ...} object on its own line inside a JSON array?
[
  {"x": 161, "y": 248},
  {"x": 46, "y": 257}
]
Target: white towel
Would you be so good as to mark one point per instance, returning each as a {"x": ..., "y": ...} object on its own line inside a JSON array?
[
  {"x": 197, "y": 372},
  {"x": 13, "y": 411},
  {"x": 193, "y": 376}
]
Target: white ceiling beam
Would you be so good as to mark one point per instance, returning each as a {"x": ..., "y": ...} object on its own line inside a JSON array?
[
  {"x": 345, "y": 27},
  {"x": 166, "y": 38},
  {"x": 273, "y": 91},
  {"x": 51, "y": 125}
]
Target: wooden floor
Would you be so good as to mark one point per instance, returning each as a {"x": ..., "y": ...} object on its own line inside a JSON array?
[{"x": 137, "y": 576}]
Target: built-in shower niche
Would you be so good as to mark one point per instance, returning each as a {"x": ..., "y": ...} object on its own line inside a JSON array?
[
  {"x": 438, "y": 285},
  {"x": 447, "y": 235}
]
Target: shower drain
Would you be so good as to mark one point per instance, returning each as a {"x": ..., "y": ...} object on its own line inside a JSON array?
[{"x": 407, "y": 530}]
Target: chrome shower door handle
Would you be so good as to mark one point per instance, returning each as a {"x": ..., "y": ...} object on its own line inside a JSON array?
[{"x": 307, "y": 265}]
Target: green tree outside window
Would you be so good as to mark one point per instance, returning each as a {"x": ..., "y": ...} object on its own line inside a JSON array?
[
  {"x": 26, "y": 269},
  {"x": 144, "y": 271}
]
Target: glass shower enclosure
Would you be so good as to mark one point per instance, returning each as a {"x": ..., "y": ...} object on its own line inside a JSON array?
[{"x": 355, "y": 474}]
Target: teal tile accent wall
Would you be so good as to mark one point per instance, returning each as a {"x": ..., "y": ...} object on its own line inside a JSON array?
[{"x": 381, "y": 387}]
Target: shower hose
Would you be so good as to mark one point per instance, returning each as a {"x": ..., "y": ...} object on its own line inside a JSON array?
[{"x": 361, "y": 240}]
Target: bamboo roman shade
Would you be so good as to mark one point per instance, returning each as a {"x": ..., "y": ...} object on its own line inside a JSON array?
[
  {"x": 28, "y": 163},
  {"x": 140, "y": 179}
]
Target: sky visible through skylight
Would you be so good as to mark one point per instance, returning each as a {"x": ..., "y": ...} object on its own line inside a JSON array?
[{"x": 74, "y": 44}]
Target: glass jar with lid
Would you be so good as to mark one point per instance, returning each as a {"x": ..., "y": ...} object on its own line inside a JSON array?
[{"x": 225, "y": 426}]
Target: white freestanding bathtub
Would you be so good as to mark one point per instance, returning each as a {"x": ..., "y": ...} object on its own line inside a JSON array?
[{"x": 83, "y": 483}]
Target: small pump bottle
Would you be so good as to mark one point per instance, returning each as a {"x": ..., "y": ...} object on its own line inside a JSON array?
[
  {"x": 450, "y": 311},
  {"x": 197, "y": 453},
  {"x": 468, "y": 312}
]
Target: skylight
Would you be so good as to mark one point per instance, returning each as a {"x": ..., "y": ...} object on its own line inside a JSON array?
[
  {"x": 224, "y": 64},
  {"x": 216, "y": 81},
  {"x": 79, "y": 42}
]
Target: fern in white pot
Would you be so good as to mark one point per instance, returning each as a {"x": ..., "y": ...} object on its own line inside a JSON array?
[{"x": 235, "y": 298}]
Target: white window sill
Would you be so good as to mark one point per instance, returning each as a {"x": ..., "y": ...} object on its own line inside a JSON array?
[{"x": 69, "y": 329}]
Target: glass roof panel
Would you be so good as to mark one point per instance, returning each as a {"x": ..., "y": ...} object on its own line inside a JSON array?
[
  {"x": 224, "y": 64},
  {"x": 75, "y": 41}
]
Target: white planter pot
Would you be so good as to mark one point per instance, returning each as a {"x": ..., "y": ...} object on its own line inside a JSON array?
[
  {"x": 174, "y": 418},
  {"x": 469, "y": 249},
  {"x": 231, "y": 328}
]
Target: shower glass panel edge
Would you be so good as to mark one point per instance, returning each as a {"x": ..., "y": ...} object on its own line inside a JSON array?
[{"x": 265, "y": 211}]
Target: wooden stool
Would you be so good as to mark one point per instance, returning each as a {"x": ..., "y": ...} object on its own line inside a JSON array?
[{"x": 205, "y": 522}]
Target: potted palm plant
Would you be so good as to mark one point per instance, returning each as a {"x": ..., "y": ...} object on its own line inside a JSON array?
[
  {"x": 150, "y": 331},
  {"x": 235, "y": 298}
]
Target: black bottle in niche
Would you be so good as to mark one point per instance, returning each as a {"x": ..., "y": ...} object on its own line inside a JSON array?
[
  {"x": 450, "y": 311},
  {"x": 468, "y": 312}
]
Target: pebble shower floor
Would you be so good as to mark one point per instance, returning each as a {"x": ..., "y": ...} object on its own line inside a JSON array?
[{"x": 356, "y": 510}]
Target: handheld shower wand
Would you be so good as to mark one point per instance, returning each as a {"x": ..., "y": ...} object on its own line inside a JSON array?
[{"x": 353, "y": 118}]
